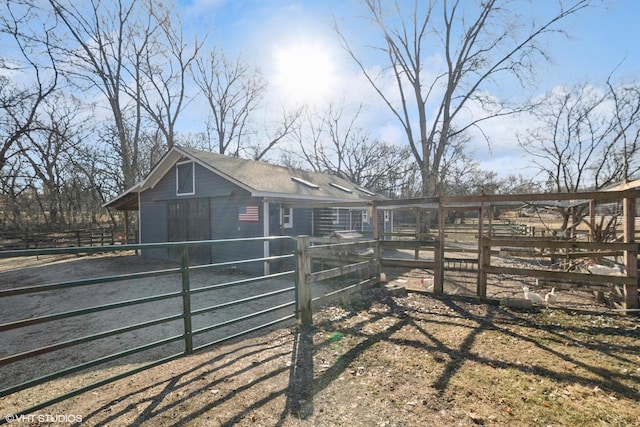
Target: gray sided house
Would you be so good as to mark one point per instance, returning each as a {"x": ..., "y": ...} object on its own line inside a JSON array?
[{"x": 199, "y": 195}]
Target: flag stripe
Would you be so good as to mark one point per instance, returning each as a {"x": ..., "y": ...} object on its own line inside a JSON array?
[{"x": 249, "y": 213}]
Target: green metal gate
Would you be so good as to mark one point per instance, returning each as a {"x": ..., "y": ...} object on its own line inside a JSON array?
[{"x": 198, "y": 307}]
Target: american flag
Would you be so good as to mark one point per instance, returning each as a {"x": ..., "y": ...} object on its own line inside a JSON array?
[{"x": 249, "y": 213}]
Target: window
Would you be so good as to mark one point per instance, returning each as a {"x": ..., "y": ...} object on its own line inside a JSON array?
[
  {"x": 286, "y": 215},
  {"x": 365, "y": 216},
  {"x": 336, "y": 216},
  {"x": 185, "y": 179}
]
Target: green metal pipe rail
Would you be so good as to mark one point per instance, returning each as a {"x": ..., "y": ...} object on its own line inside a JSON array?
[{"x": 187, "y": 313}]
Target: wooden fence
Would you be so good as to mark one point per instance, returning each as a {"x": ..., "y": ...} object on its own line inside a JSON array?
[
  {"x": 568, "y": 250},
  {"x": 321, "y": 262},
  {"x": 366, "y": 258},
  {"x": 60, "y": 239}
]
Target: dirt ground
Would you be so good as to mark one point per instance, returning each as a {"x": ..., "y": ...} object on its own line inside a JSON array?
[
  {"x": 388, "y": 361},
  {"x": 380, "y": 360},
  {"x": 46, "y": 270}
]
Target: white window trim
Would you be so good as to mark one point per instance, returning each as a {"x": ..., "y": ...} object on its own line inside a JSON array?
[
  {"x": 286, "y": 220},
  {"x": 193, "y": 178}
]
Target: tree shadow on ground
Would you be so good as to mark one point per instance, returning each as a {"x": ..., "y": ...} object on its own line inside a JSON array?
[{"x": 302, "y": 385}]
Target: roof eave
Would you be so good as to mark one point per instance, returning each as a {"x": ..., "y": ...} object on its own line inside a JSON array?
[{"x": 124, "y": 201}]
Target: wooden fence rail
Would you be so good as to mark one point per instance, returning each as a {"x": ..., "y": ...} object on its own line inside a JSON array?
[
  {"x": 565, "y": 248},
  {"x": 60, "y": 239},
  {"x": 328, "y": 261},
  {"x": 365, "y": 259}
]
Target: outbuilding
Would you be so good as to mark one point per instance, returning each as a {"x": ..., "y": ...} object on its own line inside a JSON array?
[{"x": 199, "y": 195}]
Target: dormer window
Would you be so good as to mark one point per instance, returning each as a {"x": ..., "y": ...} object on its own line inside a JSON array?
[{"x": 185, "y": 178}]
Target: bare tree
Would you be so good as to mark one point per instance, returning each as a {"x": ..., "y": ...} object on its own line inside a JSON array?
[
  {"x": 131, "y": 54},
  {"x": 274, "y": 133},
  {"x": 309, "y": 138},
  {"x": 621, "y": 159},
  {"x": 91, "y": 183},
  {"x": 94, "y": 39},
  {"x": 19, "y": 104},
  {"x": 588, "y": 137},
  {"x": 162, "y": 61},
  {"x": 33, "y": 65},
  {"x": 15, "y": 187},
  {"x": 332, "y": 142},
  {"x": 478, "y": 42},
  {"x": 233, "y": 90},
  {"x": 50, "y": 151}
]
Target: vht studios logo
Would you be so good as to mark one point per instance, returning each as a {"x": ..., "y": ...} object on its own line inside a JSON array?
[{"x": 44, "y": 418}]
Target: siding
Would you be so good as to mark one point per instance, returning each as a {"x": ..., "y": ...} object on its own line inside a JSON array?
[
  {"x": 225, "y": 199},
  {"x": 225, "y": 224},
  {"x": 153, "y": 206},
  {"x": 153, "y": 224},
  {"x": 302, "y": 222}
]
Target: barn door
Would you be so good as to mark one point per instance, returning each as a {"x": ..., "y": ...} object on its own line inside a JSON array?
[
  {"x": 198, "y": 229},
  {"x": 176, "y": 225},
  {"x": 189, "y": 220}
]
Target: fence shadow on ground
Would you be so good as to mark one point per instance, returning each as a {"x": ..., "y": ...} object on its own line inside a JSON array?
[{"x": 220, "y": 383}]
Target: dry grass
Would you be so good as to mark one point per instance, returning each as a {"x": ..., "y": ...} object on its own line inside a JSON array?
[{"x": 391, "y": 361}]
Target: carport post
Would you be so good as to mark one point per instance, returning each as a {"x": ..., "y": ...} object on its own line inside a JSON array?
[
  {"x": 186, "y": 300},
  {"x": 303, "y": 284}
]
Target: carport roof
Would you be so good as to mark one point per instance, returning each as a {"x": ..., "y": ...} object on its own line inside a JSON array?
[{"x": 259, "y": 178}]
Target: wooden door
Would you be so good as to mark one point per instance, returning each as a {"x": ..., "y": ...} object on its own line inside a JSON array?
[
  {"x": 189, "y": 220},
  {"x": 176, "y": 225},
  {"x": 198, "y": 229}
]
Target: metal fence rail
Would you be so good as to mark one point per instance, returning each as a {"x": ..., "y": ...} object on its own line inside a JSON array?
[{"x": 183, "y": 295}]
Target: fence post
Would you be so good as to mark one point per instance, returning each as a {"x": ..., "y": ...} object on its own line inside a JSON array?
[
  {"x": 630, "y": 292},
  {"x": 377, "y": 254},
  {"x": 438, "y": 254},
  {"x": 438, "y": 269},
  {"x": 304, "y": 285},
  {"x": 416, "y": 252},
  {"x": 483, "y": 250},
  {"x": 186, "y": 300},
  {"x": 483, "y": 263}
]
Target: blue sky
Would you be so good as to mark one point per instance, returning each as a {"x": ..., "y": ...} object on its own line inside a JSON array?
[
  {"x": 276, "y": 36},
  {"x": 600, "y": 39}
]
